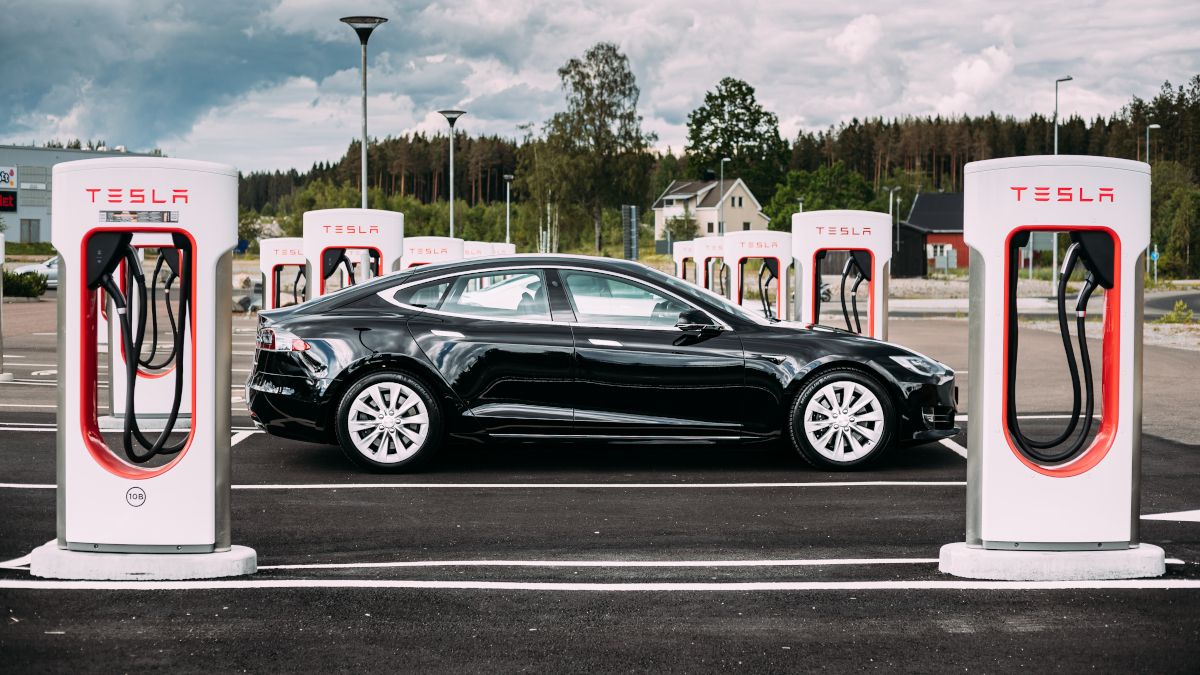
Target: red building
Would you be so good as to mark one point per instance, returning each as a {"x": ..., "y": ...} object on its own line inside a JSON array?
[{"x": 931, "y": 237}]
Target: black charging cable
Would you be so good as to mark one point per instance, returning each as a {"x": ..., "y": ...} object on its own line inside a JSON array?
[{"x": 296, "y": 294}]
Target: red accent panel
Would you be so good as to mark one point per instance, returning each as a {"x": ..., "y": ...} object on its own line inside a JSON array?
[
  {"x": 89, "y": 427},
  {"x": 1110, "y": 373}
]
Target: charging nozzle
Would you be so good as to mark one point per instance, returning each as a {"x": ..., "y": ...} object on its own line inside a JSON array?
[{"x": 105, "y": 250}]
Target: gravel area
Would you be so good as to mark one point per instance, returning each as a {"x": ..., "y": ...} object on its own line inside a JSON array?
[{"x": 1177, "y": 335}]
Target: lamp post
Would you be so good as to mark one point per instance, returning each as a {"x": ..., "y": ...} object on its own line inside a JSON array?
[
  {"x": 508, "y": 177},
  {"x": 896, "y": 221},
  {"x": 452, "y": 117},
  {"x": 1148, "y": 128},
  {"x": 1068, "y": 78},
  {"x": 721, "y": 198},
  {"x": 363, "y": 25}
]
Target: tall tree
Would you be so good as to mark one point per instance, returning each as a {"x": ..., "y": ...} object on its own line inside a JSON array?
[
  {"x": 731, "y": 123},
  {"x": 602, "y": 132}
]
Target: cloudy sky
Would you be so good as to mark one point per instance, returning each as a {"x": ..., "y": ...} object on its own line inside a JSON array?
[{"x": 273, "y": 84}]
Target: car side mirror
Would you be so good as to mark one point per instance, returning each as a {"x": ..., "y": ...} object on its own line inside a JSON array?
[{"x": 695, "y": 321}]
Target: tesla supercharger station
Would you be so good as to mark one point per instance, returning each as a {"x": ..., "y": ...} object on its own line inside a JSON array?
[
  {"x": 866, "y": 238},
  {"x": 135, "y": 505},
  {"x": 1064, "y": 507},
  {"x": 344, "y": 247},
  {"x": 682, "y": 254},
  {"x": 709, "y": 252},
  {"x": 282, "y": 263},
  {"x": 504, "y": 248},
  {"x": 774, "y": 250},
  {"x": 431, "y": 250},
  {"x": 155, "y": 368},
  {"x": 478, "y": 249}
]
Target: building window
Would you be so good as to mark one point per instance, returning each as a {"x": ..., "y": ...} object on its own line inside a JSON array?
[
  {"x": 745, "y": 225},
  {"x": 939, "y": 250},
  {"x": 710, "y": 228},
  {"x": 668, "y": 202},
  {"x": 31, "y": 230}
]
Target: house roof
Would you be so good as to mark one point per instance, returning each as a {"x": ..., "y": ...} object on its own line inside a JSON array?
[
  {"x": 704, "y": 189},
  {"x": 936, "y": 212}
]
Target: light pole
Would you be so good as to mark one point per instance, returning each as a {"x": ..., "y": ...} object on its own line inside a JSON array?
[
  {"x": 1068, "y": 78},
  {"x": 1148, "y": 128},
  {"x": 508, "y": 177},
  {"x": 891, "y": 194},
  {"x": 452, "y": 117},
  {"x": 899, "y": 200},
  {"x": 800, "y": 205},
  {"x": 721, "y": 198},
  {"x": 363, "y": 25}
]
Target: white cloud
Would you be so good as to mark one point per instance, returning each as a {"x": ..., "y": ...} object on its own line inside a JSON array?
[{"x": 858, "y": 38}]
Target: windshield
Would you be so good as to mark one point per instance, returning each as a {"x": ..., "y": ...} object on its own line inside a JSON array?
[{"x": 686, "y": 288}]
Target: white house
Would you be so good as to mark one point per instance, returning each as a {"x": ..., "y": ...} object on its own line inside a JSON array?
[{"x": 700, "y": 200}]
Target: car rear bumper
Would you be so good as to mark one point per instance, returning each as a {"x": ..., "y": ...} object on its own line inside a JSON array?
[{"x": 290, "y": 407}]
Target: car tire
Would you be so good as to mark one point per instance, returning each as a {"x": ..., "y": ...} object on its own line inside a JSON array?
[
  {"x": 841, "y": 420},
  {"x": 388, "y": 422}
]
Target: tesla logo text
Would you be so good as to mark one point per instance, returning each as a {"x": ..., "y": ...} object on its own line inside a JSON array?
[
  {"x": 287, "y": 251},
  {"x": 758, "y": 244},
  {"x": 429, "y": 251},
  {"x": 139, "y": 195},
  {"x": 1064, "y": 194},
  {"x": 351, "y": 229},
  {"x": 844, "y": 231}
]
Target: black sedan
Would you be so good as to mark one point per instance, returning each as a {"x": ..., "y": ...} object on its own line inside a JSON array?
[{"x": 571, "y": 347}]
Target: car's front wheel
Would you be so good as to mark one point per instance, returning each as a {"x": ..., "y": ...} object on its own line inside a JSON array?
[
  {"x": 388, "y": 421},
  {"x": 841, "y": 419}
]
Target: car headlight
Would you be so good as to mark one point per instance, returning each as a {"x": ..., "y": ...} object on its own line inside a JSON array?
[{"x": 920, "y": 365}]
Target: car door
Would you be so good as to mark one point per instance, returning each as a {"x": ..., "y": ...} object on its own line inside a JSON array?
[
  {"x": 492, "y": 336},
  {"x": 637, "y": 374}
]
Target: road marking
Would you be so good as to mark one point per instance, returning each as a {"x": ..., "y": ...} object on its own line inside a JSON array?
[
  {"x": 243, "y": 353},
  {"x": 958, "y": 449},
  {"x": 30, "y": 383},
  {"x": 1184, "y": 516},
  {"x": 38, "y": 373},
  {"x": 542, "y": 486},
  {"x": 33, "y": 365},
  {"x": 608, "y": 563},
  {"x": 241, "y": 436},
  {"x": 13, "y": 356},
  {"x": 962, "y": 417},
  {"x": 28, "y": 405},
  {"x": 16, "y": 562},
  {"x": 43, "y": 334},
  {"x": 651, "y": 587}
]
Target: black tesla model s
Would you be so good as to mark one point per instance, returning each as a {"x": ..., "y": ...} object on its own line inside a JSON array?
[{"x": 573, "y": 347}]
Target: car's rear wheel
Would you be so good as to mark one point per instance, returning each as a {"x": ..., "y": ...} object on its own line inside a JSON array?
[
  {"x": 388, "y": 421},
  {"x": 842, "y": 419}
]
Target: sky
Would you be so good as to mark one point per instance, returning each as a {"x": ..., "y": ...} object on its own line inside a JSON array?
[{"x": 274, "y": 84}]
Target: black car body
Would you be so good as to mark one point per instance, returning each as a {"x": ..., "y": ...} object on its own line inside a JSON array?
[{"x": 692, "y": 367}]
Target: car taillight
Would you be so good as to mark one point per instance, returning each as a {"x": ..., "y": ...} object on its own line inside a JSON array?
[{"x": 273, "y": 340}]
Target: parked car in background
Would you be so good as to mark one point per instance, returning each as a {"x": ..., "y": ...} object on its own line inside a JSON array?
[{"x": 46, "y": 268}]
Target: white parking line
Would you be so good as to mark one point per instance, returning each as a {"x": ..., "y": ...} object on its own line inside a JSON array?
[
  {"x": 553, "y": 486},
  {"x": 608, "y": 563},
  {"x": 958, "y": 449},
  {"x": 242, "y": 435},
  {"x": 28, "y": 405},
  {"x": 653, "y": 587}
]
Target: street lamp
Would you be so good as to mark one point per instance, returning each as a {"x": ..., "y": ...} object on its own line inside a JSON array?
[
  {"x": 452, "y": 117},
  {"x": 721, "y": 197},
  {"x": 1148, "y": 128},
  {"x": 508, "y": 177},
  {"x": 896, "y": 221},
  {"x": 363, "y": 25},
  {"x": 1068, "y": 78}
]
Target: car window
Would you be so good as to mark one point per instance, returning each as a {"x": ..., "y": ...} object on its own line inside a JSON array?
[
  {"x": 515, "y": 294},
  {"x": 423, "y": 295},
  {"x": 599, "y": 298}
]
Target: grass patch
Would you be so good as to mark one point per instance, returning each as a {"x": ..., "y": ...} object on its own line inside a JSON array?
[
  {"x": 29, "y": 248},
  {"x": 1180, "y": 314}
]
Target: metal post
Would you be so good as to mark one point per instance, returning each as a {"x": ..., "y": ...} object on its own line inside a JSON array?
[
  {"x": 1148, "y": 128},
  {"x": 363, "y": 25},
  {"x": 508, "y": 208},
  {"x": 452, "y": 117},
  {"x": 1068, "y": 78},
  {"x": 721, "y": 200},
  {"x": 4, "y": 377}
]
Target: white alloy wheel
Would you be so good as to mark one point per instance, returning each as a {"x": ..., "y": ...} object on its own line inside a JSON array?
[
  {"x": 844, "y": 421},
  {"x": 388, "y": 422}
]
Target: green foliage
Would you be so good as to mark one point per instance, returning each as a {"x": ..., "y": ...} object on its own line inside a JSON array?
[
  {"x": 27, "y": 285},
  {"x": 1181, "y": 313},
  {"x": 829, "y": 187},
  {"x": 731, "y": 123},
  {"x": 39, "y": 248}
]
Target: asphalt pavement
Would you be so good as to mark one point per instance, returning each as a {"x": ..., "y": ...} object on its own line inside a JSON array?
[{"x": 567, "y": 557}]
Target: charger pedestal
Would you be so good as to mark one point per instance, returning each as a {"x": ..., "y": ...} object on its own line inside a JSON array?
[
  {"x": 51, "y": 562},
  {"x": 961, "y": 560}
]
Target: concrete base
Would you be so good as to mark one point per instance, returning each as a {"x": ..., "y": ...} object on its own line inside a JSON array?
[
  {"x": 52, "y": 562},
  {"x": 145, "y": 423},
  {"x": 961, "y": 560}
]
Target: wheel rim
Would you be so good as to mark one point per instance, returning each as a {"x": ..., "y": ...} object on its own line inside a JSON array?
[
  {"x": 843, "y": 421},
  {"x": 388, "y": 422}
]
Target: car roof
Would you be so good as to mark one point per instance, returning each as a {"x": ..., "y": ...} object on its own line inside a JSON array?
[{"x": 598, "y": 262}]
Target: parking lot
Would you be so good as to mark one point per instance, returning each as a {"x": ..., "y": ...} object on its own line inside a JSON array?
[{"x": 606, "y": 558}]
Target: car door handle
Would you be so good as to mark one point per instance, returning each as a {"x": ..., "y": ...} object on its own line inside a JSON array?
[
  {"x": 604, "y": 343},
  {"x": 452, "y": 334}
]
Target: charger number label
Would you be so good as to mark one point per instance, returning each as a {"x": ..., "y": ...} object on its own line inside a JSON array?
[{"x": 135, "y": 496}]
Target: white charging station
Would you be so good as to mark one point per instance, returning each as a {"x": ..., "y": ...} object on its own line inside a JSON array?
[
  {"x": 866, "y": 236},
  {"x": 157, "y": 510},
  {"x": 504, "y": 248},
  {"x": 709, "y": 252},
  {"x": 344, "y": 247},
  {"x": 774, "y": 249},
  {"x": 156, "y": 383},
  {"x": 478, "y": 249},
  {"x": 283, "y": 265},
  {"x": 682, "y": 253},
  {"x": 431, "y": 250},
  {"x": 1068, "y": 507}
]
